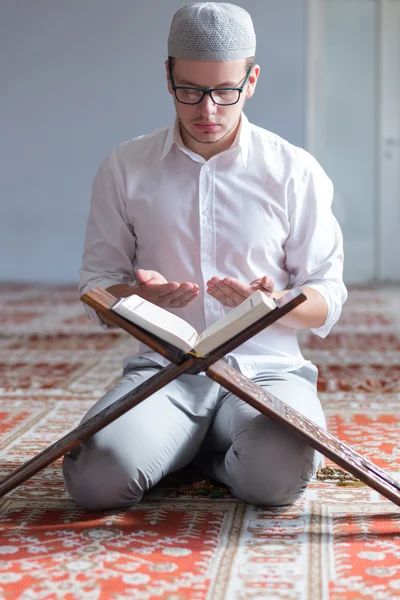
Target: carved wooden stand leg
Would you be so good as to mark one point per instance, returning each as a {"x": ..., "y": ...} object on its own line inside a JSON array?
[{"x": 91, "y": 426}]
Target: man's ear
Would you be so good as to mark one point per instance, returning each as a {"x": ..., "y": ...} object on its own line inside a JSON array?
[
  {"x": 252, "y": 82},
  {"x": 168, "y": 79}
]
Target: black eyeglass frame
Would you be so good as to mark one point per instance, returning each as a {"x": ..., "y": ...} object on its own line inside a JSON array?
[{"x": 208, "y": 90}]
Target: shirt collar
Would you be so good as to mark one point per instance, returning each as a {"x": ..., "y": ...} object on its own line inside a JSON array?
[
  {"x": 242, "y": 139},
  {"x": 173, "y": 137}
]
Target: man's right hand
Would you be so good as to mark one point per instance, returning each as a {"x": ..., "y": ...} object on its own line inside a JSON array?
[{"x": 152, "y": 286}]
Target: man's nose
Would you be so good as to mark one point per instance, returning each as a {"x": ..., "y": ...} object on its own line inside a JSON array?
[{"x": 207, "y": 106}]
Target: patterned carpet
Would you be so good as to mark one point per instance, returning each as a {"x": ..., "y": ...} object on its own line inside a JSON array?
[{"x": 338, "y": 542}]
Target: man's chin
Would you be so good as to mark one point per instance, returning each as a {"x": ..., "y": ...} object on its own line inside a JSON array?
[{"x": 206, "y": 137}]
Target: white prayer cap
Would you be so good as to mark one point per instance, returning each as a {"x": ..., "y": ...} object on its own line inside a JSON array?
[{"x": 211, "y": 31}]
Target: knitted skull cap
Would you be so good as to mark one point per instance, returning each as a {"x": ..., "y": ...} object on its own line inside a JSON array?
[{"x": 211, "y": 31}]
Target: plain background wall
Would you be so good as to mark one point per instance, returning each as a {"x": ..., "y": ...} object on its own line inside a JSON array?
[
  {"x": 348, "y": 128},
  {"x": 77, "y": 78}
]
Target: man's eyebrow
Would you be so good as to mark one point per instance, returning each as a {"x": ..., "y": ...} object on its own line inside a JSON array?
[{"x": 226, "y": 84}]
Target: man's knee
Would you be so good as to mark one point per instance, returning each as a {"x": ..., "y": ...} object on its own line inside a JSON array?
[
  {"x": 270, "y": 491},
  {"x": 270, "y": 467},
  {"x": 277, "y": 485},
  {"x": 99, "y": 481}
]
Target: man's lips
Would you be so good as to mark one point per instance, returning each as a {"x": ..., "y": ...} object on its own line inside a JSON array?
[{"x": 207, "y": 126}]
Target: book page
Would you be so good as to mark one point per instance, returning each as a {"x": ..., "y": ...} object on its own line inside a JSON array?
[
  {"x": 158, "y": 321},
  {"x": 238, "y": 319}
]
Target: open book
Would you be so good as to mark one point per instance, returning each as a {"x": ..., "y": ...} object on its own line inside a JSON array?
[{"x": 179, "y": 333}]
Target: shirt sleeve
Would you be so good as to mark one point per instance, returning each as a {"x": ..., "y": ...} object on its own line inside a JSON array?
[
  {"x": 110, "y": 242},
  {"x": 314, "y": 248}
]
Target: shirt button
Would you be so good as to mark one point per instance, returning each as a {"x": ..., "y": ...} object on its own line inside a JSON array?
[{"x": 207, "y": 168}]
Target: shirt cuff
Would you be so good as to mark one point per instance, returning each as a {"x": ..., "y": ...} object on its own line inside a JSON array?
[{"x": 334, "y": 295}]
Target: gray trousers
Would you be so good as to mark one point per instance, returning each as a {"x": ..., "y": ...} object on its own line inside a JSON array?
[{"x": 195, "y": 419}]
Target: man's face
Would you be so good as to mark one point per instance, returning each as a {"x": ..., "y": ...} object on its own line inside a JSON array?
[{"x": 207, "y": 122}]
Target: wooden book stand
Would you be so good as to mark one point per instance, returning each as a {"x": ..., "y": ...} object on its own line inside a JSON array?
[{"x": 219, "y": 371}]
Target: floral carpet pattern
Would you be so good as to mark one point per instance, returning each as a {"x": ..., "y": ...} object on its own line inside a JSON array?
[{"x": 339, "y": 542}]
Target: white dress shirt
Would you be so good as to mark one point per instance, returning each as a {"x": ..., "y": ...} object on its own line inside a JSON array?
[{"x": 262, "y": 207}]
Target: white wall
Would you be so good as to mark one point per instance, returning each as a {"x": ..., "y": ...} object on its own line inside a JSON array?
[
  {"x": 78, "y": 77},
  {"x": 347, "y": 128}
]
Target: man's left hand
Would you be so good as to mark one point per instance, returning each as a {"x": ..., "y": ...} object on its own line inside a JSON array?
[{"x": 231, "y": 292}]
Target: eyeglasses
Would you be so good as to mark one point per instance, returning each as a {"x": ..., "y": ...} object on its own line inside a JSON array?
[{"x": 195, "y": 95}]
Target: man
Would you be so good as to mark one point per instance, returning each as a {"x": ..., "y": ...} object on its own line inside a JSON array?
[{"x": 195, "y": 218}]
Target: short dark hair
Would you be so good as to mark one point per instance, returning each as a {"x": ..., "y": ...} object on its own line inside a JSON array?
[{"x": 249, "y": 62}]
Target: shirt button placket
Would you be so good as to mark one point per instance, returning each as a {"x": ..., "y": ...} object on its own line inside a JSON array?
[{"x": 207, "y": 235}]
